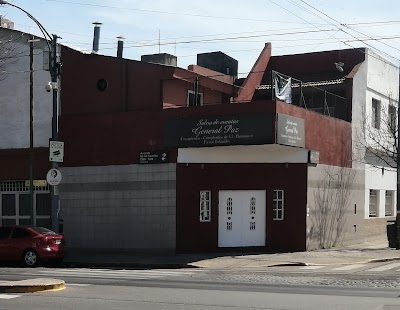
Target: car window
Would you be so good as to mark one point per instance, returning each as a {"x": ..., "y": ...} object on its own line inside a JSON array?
[
  {"x": 5, "y": 232},
  {"x": 20, "y": 233},
  {"x": 42, "y": 230}
]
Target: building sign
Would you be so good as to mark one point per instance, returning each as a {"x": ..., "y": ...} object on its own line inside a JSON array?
[
  {"x": 219, "y": 130},
  {"x": 56, "y": 151},
  {"x": 36, "y": 183},
  {"x": 153, "y": 157},
  {"x": 313, "y": 157},
  {"x": 290, "y": 130},
  {"x": 53, "y": 177}
]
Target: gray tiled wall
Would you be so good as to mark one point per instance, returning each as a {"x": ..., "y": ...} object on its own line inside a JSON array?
[{"x": 119, "y": 207}]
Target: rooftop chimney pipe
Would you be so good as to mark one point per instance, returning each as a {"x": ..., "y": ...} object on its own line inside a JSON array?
[
  {"x": 120, "y": 47},
  {"x": 96, "y": 37}
]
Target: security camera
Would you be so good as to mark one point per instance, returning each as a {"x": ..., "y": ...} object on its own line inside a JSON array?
[
  {"x": 48, "y": 87},
  {"x": 339, "y": 66}
]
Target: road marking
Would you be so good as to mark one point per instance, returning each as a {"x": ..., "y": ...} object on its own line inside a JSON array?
[
  {"x": 311, "y": 267},
  {"x": 385, "y": 267},
  {"x": 77, "y": 284},
  {"x": 8, "y": 296},
  {"x": 349, "y": 267},
  {"x": 114, "y": 274}
]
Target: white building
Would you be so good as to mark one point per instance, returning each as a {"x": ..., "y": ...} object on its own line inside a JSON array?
[
  {"x": 15, "y": 129},
  {"x": 375, "y": 102}
]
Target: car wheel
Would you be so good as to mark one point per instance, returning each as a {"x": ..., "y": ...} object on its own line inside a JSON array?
[{"x": 31, "y": 259}]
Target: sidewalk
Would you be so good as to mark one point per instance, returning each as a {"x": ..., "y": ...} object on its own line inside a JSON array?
[{"x": 361, "y": 253}]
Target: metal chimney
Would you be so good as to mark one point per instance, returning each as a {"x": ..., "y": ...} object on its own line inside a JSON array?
[
  {"x": 120, "y": 47},
  {"x": 96, "y": 37}
]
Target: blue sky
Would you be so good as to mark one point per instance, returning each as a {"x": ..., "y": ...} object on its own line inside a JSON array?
[{"x": 236, "y": 27}]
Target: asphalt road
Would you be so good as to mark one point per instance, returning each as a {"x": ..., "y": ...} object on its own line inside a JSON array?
[{"x": 201, "y": 289}]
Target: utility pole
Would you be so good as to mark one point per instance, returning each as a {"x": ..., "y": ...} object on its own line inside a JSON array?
[
  {"x": 55, "y": 202},
  {"x": 31, "y": 42},
  {"x": 398, "y": 178},
  {"x": 51, "y": 41}
]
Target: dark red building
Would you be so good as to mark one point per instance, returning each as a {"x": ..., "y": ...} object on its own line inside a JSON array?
[{"x": 226, "y": 173}]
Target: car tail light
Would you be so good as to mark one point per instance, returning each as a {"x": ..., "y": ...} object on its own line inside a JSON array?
[{"x": 44, "y": 240}]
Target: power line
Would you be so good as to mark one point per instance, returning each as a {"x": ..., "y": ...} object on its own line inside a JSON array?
[
  {"x": 271, "y": 32},
  {"x": 346, "y": 25},
  {"x": 284, "y": 8},
  {"x": 220, "y": 39},
  {"x": 169, "y": 12},
  {"x": 335, "y": 40}
]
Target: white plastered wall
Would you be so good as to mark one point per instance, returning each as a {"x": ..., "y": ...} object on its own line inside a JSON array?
[
  {"x": 378, "y": 79},
  {"x": 14, "y": 95}
]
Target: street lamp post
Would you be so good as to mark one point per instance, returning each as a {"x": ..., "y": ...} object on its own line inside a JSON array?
[{"x": 54, "y": 68}]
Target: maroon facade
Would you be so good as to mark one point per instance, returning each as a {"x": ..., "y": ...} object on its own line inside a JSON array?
[
  {"x": 316, "y": 66},
  {"x": 114, "y": 126},
  {"x": 14, "y": 164},
  {"x": 124, "y": 135},
  {"x": 287, "y": 235},
  {"x": 330, "y": 136}
]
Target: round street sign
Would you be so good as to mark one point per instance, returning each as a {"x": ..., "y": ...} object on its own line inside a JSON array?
[{"x": 53, "y": 177}]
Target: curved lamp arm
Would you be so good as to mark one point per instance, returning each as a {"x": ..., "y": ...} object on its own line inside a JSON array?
[{"x": 42, "y": 29}]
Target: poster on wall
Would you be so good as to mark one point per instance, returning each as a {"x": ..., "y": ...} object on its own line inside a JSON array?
[
  {"x": 290, "y": 130},
  {"x": 254, "y": 129}
]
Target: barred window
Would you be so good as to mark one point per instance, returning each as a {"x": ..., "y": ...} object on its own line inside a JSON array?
[
  {"x": 278, "y": 205},
  {"x": 23, "y": 186},
  {"x": 205, "y": 206}
]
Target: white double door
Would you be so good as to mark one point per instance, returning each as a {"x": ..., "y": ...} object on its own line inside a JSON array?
[{"x": 242, "y": 218}]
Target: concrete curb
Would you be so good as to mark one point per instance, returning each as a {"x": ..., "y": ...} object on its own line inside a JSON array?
[
  {"x": 203, "y": 264},
  {"x": 32, "y": 285},
  {"x": 382, "y": 260}
]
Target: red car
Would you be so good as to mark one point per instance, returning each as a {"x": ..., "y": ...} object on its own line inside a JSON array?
[{"x": 30, "y": 245}]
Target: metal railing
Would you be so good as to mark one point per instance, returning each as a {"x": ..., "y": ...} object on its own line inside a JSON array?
[{"x": 309, "y": 95}]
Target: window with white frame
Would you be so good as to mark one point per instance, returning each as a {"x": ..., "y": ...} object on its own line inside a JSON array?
[
  {"x": 376, "y": 113},
  {"x": 205, "y": 206},
  {"x": 389, "y": 203},
  {"x": 191, "y": 99},
  {"x": 373, "y": 203},
  {"x": 278, "y": 205}
]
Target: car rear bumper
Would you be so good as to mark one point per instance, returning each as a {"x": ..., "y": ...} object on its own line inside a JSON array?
[{"x": 51, "y": 252}]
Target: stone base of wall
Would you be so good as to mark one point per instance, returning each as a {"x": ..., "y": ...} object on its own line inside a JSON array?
[
  {"x": 126, "y": 207},
  {"x": 376, "y": 228}
]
